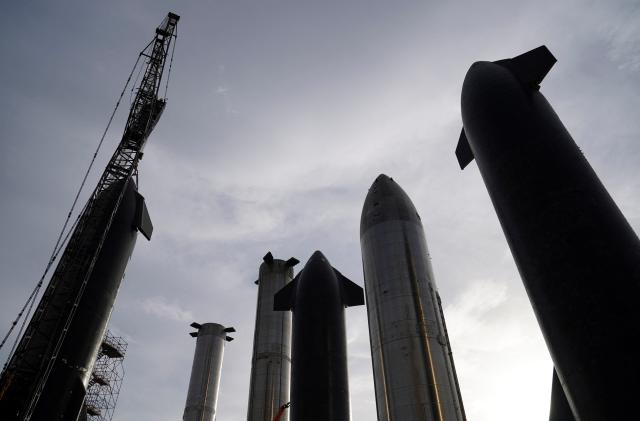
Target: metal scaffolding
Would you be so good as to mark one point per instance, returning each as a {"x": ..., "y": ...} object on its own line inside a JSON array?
[{"x": 106, "y": 379}]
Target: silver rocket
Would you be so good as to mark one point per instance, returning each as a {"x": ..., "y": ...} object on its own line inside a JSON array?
[
  {"x": 202, "y": 397},
  {"x": 414, "y": 374},
  {"x": 271, "y": 360}
]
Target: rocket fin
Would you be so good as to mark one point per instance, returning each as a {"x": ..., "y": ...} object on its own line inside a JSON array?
[
  {"x": 531, "y": 67},
  {"x": 284, "y": 299},
  {"x": 352, "y": 293},
  {"x": 463, "y": 151},
  {"x": 291, "y": 262},
  {"x": 142, "y": 219}
]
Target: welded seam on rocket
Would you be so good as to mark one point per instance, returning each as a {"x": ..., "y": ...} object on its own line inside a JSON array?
[
  {"x": 435, "y": 394},
  {"x": 453, "y": 372},
  {"x": 382, "y": 352}
]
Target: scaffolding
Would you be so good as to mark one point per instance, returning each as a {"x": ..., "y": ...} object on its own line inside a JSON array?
[{"x": 106, "y": 379}]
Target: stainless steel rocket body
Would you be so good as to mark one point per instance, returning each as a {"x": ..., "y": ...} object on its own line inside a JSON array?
[
  {"x": 202, "y": 397},
  {"x": 413, "y": 368},
  {"x": 271, "y": 361}
]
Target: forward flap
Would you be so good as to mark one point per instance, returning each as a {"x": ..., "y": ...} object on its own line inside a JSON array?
[
  {"x": 142, "y": 219},
  {"x": 531, "y": 67},
  {"x": 463, "y": 151}
]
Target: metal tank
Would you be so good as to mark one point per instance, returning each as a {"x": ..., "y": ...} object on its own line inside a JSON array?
[
  {"x": 271, "y": 360},
  {"x": 414, "y": 374},
  {"x": 64, "y": 387},
  {"x": 319, "y": 378},
  {"x": 202, "y": 397},
  {"x": 577, "y": 255}
]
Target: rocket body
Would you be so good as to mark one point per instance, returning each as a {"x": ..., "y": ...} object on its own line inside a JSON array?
[
  {"x": 577, "y": 255},
  {"x": 414, "y": 374},
  {"x": 204, "y": 383},
  {"x": 318, "y": 296},
  {"x": 271, "y": 361},
  {"x": 65, "y": 387}
]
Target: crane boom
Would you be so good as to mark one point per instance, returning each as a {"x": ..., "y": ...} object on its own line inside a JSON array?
[{"x": 26, "y": 377}]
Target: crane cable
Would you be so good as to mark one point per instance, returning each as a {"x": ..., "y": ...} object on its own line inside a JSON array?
[
  {"x": 62, "y": 237},
  {"x": 173, "y": 49}
]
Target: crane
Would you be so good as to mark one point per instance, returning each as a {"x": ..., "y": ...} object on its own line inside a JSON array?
[{"x": 47, "y": 374}]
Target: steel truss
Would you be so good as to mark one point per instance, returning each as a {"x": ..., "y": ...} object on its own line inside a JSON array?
[{"x": 106, "y": 379}]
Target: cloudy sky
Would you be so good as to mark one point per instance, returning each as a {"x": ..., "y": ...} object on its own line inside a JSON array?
[{"x": 280, "y": 116}]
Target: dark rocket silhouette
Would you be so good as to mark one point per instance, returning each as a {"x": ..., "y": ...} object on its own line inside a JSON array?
[
  {"x": 577, "y": 255},
  {"x": 318, "y": 296}
]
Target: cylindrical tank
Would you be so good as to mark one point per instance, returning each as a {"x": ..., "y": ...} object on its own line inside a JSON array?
[
  {"x": 578, "y": 257},
  {"x": 414, "y": 374},
  {"x": 319, "y": 377},
  {"x": 202, "y": 397},
  {"x": 65, "y": 387},
  {"x": 271, "y": 360}
]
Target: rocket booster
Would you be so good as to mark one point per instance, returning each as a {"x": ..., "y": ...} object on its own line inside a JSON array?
[
  {"x": 577, "y": 255},
  {"x": 413, "y": 370},
  {"x": 202, "y": 396},
  {"x": 271, "y": 360},
  {"x": 318, "y": 296}
]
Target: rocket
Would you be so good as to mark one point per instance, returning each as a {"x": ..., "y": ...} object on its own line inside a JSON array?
[
  {"x": 317, "y": 297},
  {"x": 413, "y": 370},
  {"x": 65, "y": 387},
  {"x": 576, "y": 253},
  {"x": 204, "y": 383},
  {"x": 271, "y": 359}
]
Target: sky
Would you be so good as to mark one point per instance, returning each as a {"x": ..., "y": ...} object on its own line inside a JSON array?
[{"x": 280, "y": 115}]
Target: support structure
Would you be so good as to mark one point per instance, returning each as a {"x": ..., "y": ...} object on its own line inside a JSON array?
[
  {"x": 106, "y": 379},
  {"x": 271, "y": 360}
]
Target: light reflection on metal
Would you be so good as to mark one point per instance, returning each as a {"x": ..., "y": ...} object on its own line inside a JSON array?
[{"x": 271, "y": 360}]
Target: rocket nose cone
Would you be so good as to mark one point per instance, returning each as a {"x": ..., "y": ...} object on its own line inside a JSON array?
[
  {"x": 317, "y": 256},
  {"x": 386, "y": 201},
  {"x": 318, "y": 263}
]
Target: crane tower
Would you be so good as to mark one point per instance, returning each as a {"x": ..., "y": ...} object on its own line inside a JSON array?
[{"x": 47, "y": 376}]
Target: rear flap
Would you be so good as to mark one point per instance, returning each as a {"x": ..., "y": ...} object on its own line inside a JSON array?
[{"x": 285, "y": 299}]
